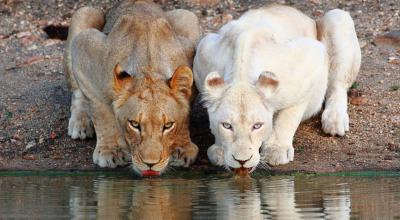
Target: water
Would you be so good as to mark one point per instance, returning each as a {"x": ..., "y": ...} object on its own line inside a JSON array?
[{"x": 105, "y": 196}]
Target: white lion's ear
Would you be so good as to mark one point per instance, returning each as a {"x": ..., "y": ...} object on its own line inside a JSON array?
[
  {"x": 214, "y": 86},
  {"x": 267, "y": 83}
]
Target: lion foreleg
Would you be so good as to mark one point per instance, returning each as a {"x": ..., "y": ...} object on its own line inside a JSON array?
[
  {"x": 184, "y": 151},
  {"x": 80, "y": 124},
  {"x": 279, "y": 147},
  {"x": 111, "y": 149},
  {"x": 215, "y": 154},
  {"x": 336, "y": 31}
]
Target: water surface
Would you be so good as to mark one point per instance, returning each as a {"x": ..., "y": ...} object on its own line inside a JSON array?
[{"x": 104, "y": 196}]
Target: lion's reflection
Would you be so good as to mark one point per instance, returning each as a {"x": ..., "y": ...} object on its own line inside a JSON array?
[{"x": 229, "y": 198}]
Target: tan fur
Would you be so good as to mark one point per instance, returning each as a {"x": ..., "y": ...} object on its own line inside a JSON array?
[{"x": 137, "y": 73}]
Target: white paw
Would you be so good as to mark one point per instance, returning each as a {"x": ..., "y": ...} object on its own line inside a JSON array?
[
  {"x": 184, "y": 156},
  {"x": 80, "y": 126},
  {"x": 216, "y": 155},
  {"x": 335, "y": 121},
  {"x": 276, "y": 155},
  {"x": 111, "y": 157}
]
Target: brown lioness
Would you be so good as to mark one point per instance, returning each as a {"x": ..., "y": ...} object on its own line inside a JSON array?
[{"x": 130, "y": 77}]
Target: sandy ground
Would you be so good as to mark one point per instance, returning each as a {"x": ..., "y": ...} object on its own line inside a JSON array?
[{"x": 34, "y": 100}]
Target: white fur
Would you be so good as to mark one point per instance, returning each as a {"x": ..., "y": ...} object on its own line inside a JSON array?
[{"x": 228, "y": 70}]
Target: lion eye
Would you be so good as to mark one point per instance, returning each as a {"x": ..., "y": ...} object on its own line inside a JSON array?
[
  {"x": 227, "y": 125},
  {"x": 257, "y": 125},
  {"x": 168, "y": 125},
  {"x": 134, "y": 124}
]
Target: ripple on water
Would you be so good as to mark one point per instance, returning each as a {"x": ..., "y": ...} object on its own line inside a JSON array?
[{"x": 215, "y": 197}]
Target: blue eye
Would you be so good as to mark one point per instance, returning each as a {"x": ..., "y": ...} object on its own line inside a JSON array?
[
  {"x": 257, "y": 125},
  {"x": 227, "y": 125}
]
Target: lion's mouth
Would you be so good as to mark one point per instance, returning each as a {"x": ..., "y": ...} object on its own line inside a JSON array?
[{"x": 150, "y": 173}]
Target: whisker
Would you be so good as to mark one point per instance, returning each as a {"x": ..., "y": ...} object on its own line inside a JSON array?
[
  {"x": 264, "y": 165},
  {"x": 169, "y": 170}
]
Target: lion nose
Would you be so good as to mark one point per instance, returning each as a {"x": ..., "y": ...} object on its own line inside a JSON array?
[{"x": 242, "y": 162}]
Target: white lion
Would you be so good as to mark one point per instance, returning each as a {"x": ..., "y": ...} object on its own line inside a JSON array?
[{"x": 263, "y": 74}]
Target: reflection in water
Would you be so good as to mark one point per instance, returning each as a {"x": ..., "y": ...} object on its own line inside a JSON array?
[{"x": 90, "y": 197}]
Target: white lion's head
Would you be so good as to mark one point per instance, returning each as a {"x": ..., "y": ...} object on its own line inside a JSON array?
[{"x": 240, "y": 117}]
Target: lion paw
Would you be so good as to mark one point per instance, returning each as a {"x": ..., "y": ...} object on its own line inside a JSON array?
[
  {"x": 80, "y": 126},
  {"x": 184, "y": 156},
  {"x": 335, "y": 121},
  {"x": 215, "y": 154},
  {"x": 276, "y": 155},
  {"x": 110, "y": 157}
]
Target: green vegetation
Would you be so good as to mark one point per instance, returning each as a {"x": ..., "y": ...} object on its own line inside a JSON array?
[
  {"x": 394, "y": 87},
  {"x": 299, "y": 149},
  {"x": 8, "y": 114},
  {"x": 355, "y": 85}
]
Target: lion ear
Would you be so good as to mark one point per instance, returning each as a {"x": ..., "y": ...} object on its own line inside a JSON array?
[
  {"x": 182, "y": 81},
  {"x": 214, "y": 86},
  {"x": 267, "y": 83},
  {"x": 121, "y": 78}
]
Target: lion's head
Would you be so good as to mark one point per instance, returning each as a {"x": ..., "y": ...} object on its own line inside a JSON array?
[
  {"x": 152, "y": 114},
  {"x": 240, "y": 118}
]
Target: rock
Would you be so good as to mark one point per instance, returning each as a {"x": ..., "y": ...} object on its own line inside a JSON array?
[
  {"x": 393, "y": 60},
  {"x": 222, "y": 19},
  {"x": 53, "y": 135},
  {"x": 3, "y": 36},
  {"x": 25, "y": 41},
  {"x": 57, "y": 157},
  {"x": 363, "y": 44},
  {"x": 388, "y": 157},
  {"x": 50, "y": 42},
  {"x": 390, "y": 39},
  {"x": 358, "y": 100},
  {"x": 315, "y": 1},
  {"x": 13, "y": 141},
  {"x": 33, "y": 60},
  {"x": 29, "y": 157},
  {"x": 355, "y": 93},
  {"x": 23, "y": 34},
  {"x": 208, "y": 3},
  {"x": 226, "y": 18},
  {"x": 33, "y": 47},
  {"x": 16, "y": 136},
  {"x": 393, "y": 146},
  {"x": 30, "y": 145},
  {"x": 317, "y": 13},
  {"x": 42, "y": 23}
]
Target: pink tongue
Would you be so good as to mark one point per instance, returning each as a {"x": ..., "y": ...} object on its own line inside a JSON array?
[{"x": 150, "y": 173}]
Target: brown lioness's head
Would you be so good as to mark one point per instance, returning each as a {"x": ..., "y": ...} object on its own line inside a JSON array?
[{"x": 153, "y": 116}]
